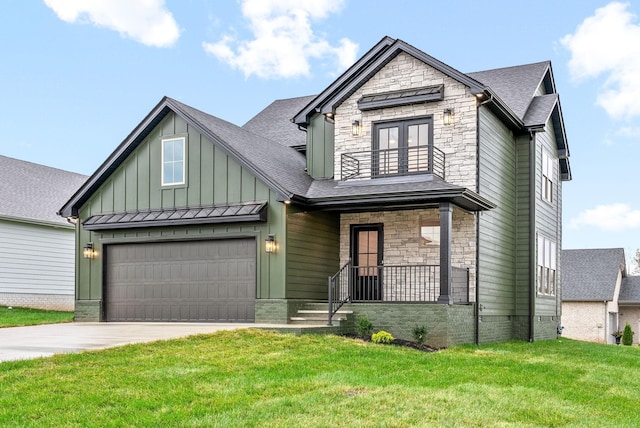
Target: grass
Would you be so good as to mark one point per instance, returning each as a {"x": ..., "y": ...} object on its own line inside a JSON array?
[
  {"x": 16, "y": 317},
  {"x": 259, "y": 378}
]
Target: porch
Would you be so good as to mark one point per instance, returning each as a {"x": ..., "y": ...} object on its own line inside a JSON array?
[{"x": 396, "y": 284}]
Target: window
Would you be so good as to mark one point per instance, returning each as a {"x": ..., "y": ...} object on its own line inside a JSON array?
[
  {"x": 401, "y": 148},
  {"x": 547, "y": 281},
  {"x": 173, "y": 154},
  {"x": 430, "y": 232},
  {"x": 547, "y": 177}
]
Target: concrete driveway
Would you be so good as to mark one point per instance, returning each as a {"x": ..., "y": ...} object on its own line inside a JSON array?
[{"x": 21, "y": 343}]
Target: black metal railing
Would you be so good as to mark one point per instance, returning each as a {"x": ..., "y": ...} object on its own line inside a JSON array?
[
  {"x": 392, "y": 162},
  {"x": 390, "y": 283},
  {"x": 339, "y": 289}
]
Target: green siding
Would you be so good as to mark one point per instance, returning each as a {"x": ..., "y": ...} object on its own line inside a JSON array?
[
  {"x": 523, "y": 253},
  {"x": 548, "y": 215},
  {"x": 497, "y": 228},
  {"x": 320, "y": 147},
  {"x": 212, "y": 177},
  {"x": 313, "y": 247}
]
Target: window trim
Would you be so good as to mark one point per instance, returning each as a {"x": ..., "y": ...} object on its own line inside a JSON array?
[
  {"x": 403, "y": 133},
  {"x": 548, "y": 182},
  {"x": 547, "y": 250},
  {"x": 184, "y": 160}
]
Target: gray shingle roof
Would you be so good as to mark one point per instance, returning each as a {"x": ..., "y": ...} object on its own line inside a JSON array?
[
  {"x": 274, "y": 122},
  {"x": 281, "y": 164},
  {"x": 591, "y": 274},
  {"x": 31, "y": 191},
  {"x": 540, "y": 110},
  {"x": 516, "y": 86},
  {"x": 630, "y": 290}
]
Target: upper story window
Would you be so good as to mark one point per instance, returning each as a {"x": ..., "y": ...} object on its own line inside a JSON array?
[
  {"x": 173, "y": 158},
  {"x": 547, "y": 278},
  {"x": 402, "y": 147},
  {"x": 547, "y": 177}
]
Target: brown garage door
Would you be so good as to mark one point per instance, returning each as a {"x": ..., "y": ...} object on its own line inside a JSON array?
[{"x": 181, "y": 281}]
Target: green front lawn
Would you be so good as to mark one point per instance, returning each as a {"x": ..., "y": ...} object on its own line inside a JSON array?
[
  {"x": 259, "y": 378},
  {"x": 15, "y": 317}
]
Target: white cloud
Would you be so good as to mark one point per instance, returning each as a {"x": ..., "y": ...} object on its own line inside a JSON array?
[
  {"x": 145, "y": 21},
  {"x": 284, "y": 41},
  {"x": 614, "y": 217},
  {"x": 607, "y": 44}
]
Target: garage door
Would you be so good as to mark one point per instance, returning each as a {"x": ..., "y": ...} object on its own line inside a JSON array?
[{"x": 181, "y": 281}]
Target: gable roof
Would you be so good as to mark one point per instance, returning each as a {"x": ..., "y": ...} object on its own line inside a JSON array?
[
  {"x": 280, "y": 167},
  {"x": 630, "y": 290},
  {"x": 368, "y": 65},
  {"x": 33, "y": 193},
  {"x": 517, "y": 86},
  {"x": 591, "y": 274},
  {"x": 510, "y": 91},
  {"x": 274, "y": 122}
]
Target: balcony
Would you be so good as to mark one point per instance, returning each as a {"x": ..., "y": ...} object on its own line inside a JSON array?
[{"x": 393, "y": 162}]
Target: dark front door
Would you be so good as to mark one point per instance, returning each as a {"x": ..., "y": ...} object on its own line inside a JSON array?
[{"x": 366, "y": 254}]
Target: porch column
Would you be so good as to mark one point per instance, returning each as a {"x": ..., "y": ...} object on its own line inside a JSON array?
[{"x": 446, "y": 211}]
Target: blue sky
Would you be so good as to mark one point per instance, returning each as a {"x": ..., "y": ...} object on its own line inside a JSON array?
[{"x": 77, "y": 75}]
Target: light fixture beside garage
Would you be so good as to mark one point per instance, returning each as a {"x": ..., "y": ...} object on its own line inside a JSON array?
[
  {"x": 89, "y": 252},
  {"x": 270, "y": 244}
]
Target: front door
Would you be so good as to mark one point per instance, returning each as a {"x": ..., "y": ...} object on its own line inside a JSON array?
[{"x": 366, "y": 254}]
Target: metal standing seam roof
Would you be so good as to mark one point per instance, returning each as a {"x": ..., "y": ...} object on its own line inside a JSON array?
[
  {"x": 176, "y": 217},
  {"x": 591, "y": 274}
]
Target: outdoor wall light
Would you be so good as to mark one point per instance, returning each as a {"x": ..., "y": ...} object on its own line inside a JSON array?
[
  {"x": 447, "y": 116},
  {"x": 270, "y": 244},
  {"x": 355, "y": 128},
  {"x": 88, "y": 252}
]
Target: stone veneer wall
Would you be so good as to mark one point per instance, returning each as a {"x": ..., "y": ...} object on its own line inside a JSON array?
[
  {"x": 458, "y": 141},
  {"x": 402, "y": 241}
]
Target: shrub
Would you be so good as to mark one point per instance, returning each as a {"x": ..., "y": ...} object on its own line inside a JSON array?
[
  {"x": 627, "y": 335},
  {"x": 420, "y": 334},
  {"x": 382, "y": 337},
  {"x": 363, "y": 326}
]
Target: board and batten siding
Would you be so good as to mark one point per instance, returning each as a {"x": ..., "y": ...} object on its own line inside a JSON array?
[
  {"x": 548, "y": 215},
  {"x": 212, "y": 177},
  {"x": 36, "y": 265},
  {"x": 320, "y": 146},
  {"x": 313, "y": 249},
  {"x": 497, "y": 228}
]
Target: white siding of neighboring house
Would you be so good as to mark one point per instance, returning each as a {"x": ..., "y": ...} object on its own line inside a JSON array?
[
  {"x": 586, "y": 321},
  {"x": 37, "y": 267}
]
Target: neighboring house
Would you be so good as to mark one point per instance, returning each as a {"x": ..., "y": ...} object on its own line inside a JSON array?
[
  {"x": 598, "y": 297},
  {"x": 37, "y": 247},
  {"x": 429, "y": 196}
]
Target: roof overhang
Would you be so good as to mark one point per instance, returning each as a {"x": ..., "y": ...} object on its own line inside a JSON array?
[
  {"x": 463, "y": 198},
  {"x": 367, "y": 66},
  {"x": 214, "y": 214}
]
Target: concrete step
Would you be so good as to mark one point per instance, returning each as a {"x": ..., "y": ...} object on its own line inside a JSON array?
[{"x": 318, "y": 311}]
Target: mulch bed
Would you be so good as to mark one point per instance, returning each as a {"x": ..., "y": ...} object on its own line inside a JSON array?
[{"x": 399, "y": 342}]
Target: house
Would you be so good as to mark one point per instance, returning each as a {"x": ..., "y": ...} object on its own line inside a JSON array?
[
  {"x": 37, "y": 247},
  {"x": 598, "y": 297},
  {"x": 406, "y": 191}
]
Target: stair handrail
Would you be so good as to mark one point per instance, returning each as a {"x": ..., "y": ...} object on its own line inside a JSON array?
[{"x": 335, "y": 288}]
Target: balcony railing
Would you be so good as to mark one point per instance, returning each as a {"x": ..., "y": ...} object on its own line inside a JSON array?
[
  {"x": 392, "y": 162},
  {"x": 389, "y": 284}
]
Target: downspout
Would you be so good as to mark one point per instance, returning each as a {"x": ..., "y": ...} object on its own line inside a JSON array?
[
  {"x": 532, "y": 232},
  {"x": 477, "y": 311}
]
